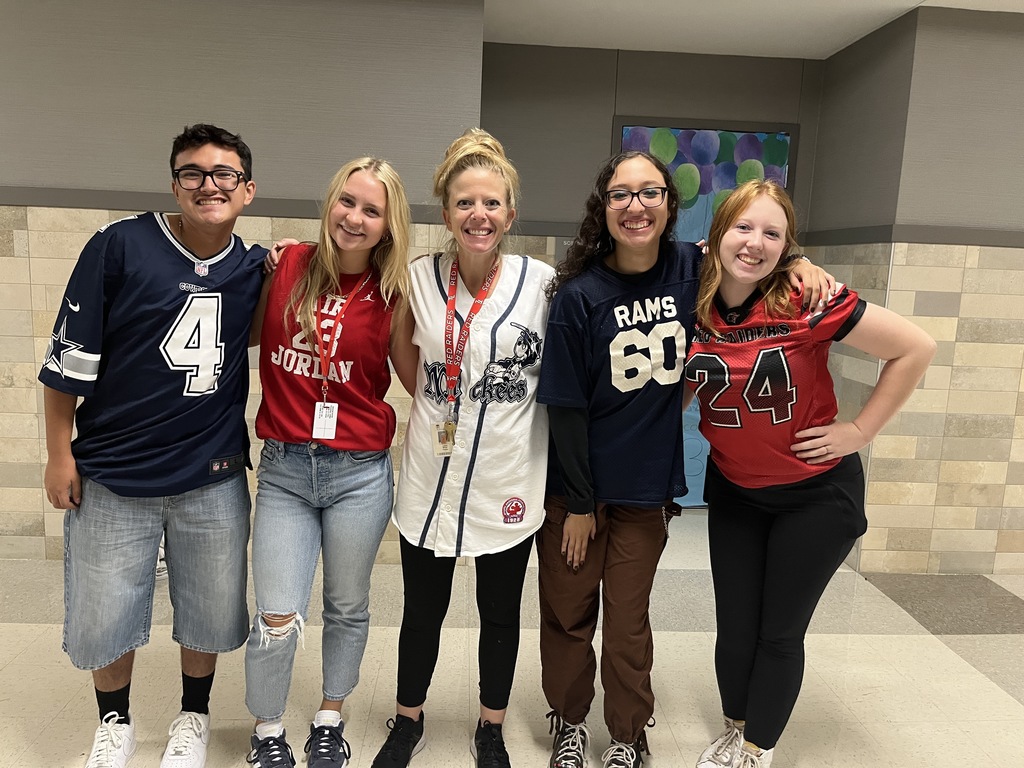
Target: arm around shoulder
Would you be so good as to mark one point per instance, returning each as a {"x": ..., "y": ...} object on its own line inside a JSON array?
[{"x": 404, "y": 354}]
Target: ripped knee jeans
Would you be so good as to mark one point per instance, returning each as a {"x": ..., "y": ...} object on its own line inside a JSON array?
[{"x": 313, "y": 500}]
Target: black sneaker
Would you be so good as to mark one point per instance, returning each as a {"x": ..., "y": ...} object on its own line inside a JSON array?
[
  {"x": 569, "y": 746},
  {"x": 271, "y": 752},
  {"x": 623, "y": 755},
  {"x": 488, "y": 747},
  {"x": 326, "y": 747},
  {"x": 404, "y": 741}
]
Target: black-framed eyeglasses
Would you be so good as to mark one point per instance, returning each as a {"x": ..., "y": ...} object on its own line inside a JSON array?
[
  {"x": 649, "y": 197},
  {"x": 225, "y": 179}
]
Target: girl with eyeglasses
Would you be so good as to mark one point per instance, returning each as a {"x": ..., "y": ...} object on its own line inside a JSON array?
[{"x": 622, "y": 310}]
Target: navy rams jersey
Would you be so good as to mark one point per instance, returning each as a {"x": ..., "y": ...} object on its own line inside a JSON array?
[
  {"x": 156, "y": 342},
  {"x": 616, "y": 346}
]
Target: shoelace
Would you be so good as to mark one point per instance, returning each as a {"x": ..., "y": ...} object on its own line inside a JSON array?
[
  {"x": 727, "y": 750},
  {"x": 326, "y": 741},
  {"x": 572, "y": 741},
  {"x": 271, "y": 752},
  {"x": 399, "y": 738},
  {"x": 748, "y": 760},
  {"x": 109, "y": 738},
  {"x": 619, "y": 755},
  {"x": 184, "y": 732},
  {"x": 490, "y": 751}
]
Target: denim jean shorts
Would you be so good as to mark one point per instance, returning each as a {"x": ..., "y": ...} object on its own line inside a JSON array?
[{"x": 110, "y": 552}]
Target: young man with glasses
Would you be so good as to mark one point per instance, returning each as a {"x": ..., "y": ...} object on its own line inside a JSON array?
[{"x": 152, "y": 334}]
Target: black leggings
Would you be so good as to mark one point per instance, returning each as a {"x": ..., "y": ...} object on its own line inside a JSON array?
[
  {"x": 773, "y": 551},
  {"x": 428, "y": 591}
]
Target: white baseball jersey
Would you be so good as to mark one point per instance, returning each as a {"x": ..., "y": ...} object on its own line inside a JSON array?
[{"x": 488, "y": 495}]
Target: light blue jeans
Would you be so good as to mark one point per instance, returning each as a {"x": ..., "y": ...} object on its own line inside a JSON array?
[
  {"x": 110, "y": 550},
  {"x": 311, "y": 497}
]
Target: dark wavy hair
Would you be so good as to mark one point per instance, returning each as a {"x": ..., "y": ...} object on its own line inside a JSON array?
[
  {"x": 593, "y": 241},
  {"x": 201, "y": 134}
]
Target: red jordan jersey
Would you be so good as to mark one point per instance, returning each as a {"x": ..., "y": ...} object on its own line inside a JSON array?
[
  {"x": 357, "y": 370},
  {"x": 762, "y": 381}
]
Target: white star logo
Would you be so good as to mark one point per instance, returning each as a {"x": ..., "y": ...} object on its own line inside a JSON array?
[{"x": 60, "y": 345}]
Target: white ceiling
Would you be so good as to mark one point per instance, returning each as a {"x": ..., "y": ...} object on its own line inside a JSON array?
[{"x": 802, "y": 29}]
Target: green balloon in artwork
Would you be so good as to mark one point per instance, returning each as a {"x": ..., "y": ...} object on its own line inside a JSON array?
[
  {"x": 687, "y": 181},
  {"x": 776, "y": 150},
  {"x": 749, "y": 169},
  {"x": 664, "y": 145},
  {"x": 718, "y": 199},
  {"x": 727, "y": 145},
  {"x": 685, "y": 205}
]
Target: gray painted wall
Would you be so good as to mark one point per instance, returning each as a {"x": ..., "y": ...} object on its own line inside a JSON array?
[
  {"x": 92, "y": 93},
  {"x": 861, "y": 131},
  {"x": 963, "y": 164},
  {"x": 554, "y": 108}
]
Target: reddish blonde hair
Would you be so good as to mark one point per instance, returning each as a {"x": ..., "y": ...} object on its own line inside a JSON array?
[{"x": 775, "y": 286}]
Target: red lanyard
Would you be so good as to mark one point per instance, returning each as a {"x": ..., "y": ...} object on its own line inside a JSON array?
[
  {"x": 328, "y": 352},
  {"x": 453, "y": 353}
]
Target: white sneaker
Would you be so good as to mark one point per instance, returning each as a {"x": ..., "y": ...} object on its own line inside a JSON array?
[
  {"x": 748, "y": 758},
  {"x": 113, "y": 745},
  {"x": 186, "y": 747},
  {"x": 724, "y": 751}
]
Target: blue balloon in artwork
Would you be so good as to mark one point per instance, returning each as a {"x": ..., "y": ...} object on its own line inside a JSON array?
[
  {"x": 706, "y": 178},
  {"x": 724, "y": 177},
  {"x": 748, "y": 147},
  {"x": 776, "y": 174},
  {"x": 704, "y": 147},
  {"x": 637, "y": 138},
  {"x": 684, "y": 140}
]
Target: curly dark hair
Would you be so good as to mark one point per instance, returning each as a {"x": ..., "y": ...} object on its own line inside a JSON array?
[{"x": 593, "y": 241}]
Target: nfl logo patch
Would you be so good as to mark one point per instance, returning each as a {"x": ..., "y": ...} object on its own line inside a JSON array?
[
  {"x": 202, "y": 269},
  {"x": 513, "y": 510}
]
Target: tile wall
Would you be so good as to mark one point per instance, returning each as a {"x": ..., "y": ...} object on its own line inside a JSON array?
[
  {"x": 38, "y": 249},
  {"x": 946, "y": 478}
]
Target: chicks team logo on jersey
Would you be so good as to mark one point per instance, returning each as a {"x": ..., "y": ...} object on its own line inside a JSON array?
[
  {"x": 513, "y": 510},
  {"x": 503, "y": 380}
]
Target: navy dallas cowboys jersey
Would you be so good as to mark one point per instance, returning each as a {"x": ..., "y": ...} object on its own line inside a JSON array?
[
  {"x": 616, "y": 345},
  {"x": 156, "y": 342}
]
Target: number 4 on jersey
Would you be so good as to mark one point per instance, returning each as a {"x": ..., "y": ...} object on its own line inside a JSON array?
[{"x": 193, "y": 344}]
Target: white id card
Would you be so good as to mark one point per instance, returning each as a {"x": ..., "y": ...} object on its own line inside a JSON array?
[
  {"x": 325, "y": 421},
  {"x": 443, "y": 438}
]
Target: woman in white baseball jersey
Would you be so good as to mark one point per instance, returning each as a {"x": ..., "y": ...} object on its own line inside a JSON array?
[{"x": 475, "y": 454}]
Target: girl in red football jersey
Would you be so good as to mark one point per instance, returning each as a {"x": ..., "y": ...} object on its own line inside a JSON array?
[
  {"x": 325, "y": 475},
  {"x": 784, "y": 484}
]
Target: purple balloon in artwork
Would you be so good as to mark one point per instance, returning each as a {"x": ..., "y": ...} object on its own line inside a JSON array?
[
  {"x": 704, "y": 147},
  {"x": 776, "y": 174},
  {"x": 724, "y": 177},
  {"x": 706, "y": 174},
  {"x": 637, "y": 138},
  {"x": 684, "y": 140},
  {"x": 748, "y": 147}
]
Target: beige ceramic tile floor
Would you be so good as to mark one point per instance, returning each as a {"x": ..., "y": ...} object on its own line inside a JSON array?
[{"x": 879, "y": 689}]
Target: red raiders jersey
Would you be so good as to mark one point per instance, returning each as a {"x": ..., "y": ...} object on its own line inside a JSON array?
[
  {"x": 762, "y": 381},
  {"x": 357, "y": 370}
]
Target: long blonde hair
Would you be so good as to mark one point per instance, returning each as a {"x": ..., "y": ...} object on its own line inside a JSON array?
[
  {"x": 475, "y": 148},
  {"x": 775, "y": 286},
  {"x": 389, "y": 258}
]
